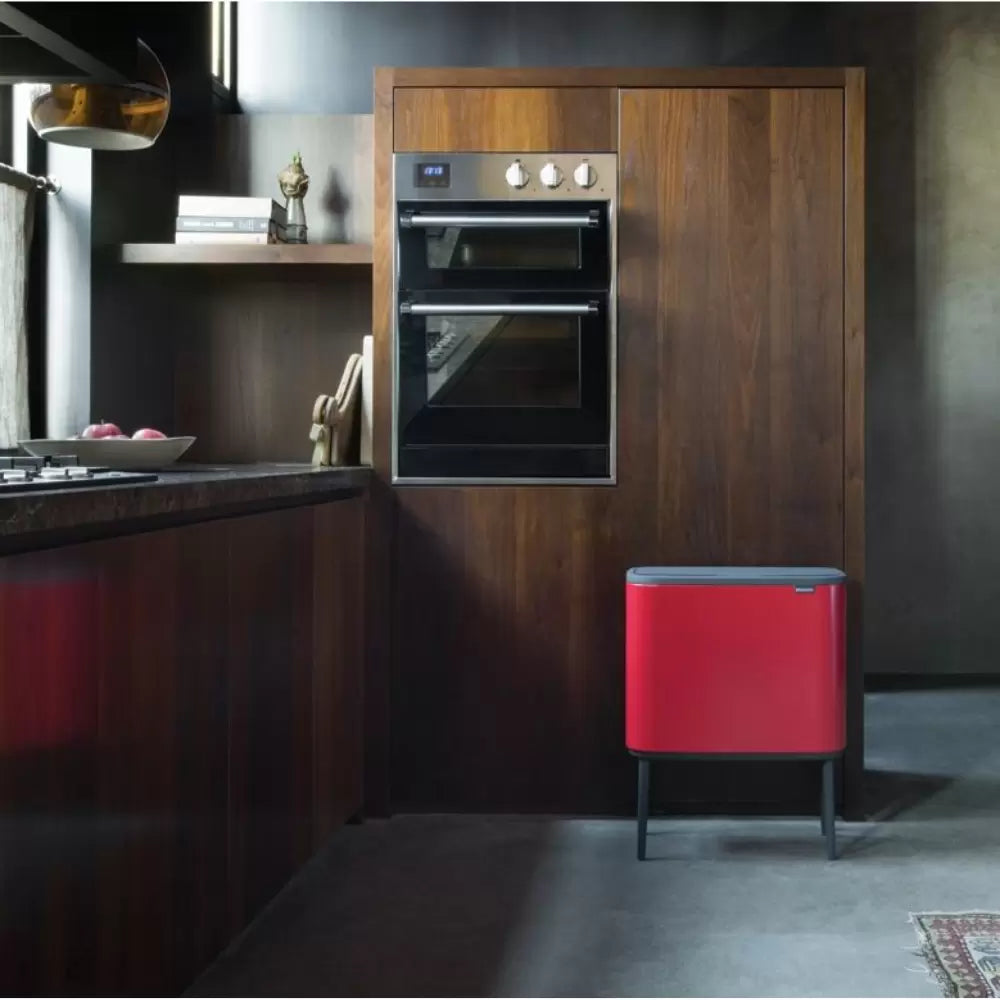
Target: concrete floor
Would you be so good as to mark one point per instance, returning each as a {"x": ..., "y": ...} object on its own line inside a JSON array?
[{"x": 479, "y": 906}]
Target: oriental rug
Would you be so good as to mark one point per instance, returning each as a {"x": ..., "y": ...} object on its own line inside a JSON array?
[{"x": 962, "y": 951}]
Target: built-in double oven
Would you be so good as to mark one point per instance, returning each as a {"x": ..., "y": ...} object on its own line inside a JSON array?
[{"x": 504, "y": 347}]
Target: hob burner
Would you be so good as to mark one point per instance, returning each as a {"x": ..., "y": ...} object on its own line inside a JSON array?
[{"x": 25, "y": 473}]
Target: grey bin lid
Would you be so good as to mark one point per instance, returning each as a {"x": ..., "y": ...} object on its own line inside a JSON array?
[{"x": 799, "y": 576}]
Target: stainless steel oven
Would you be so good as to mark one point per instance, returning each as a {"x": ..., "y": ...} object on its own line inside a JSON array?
[{"x": 504, "y": 348}]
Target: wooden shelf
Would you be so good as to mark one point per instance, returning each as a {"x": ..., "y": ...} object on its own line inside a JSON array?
[{"x": 230, "y": 253}]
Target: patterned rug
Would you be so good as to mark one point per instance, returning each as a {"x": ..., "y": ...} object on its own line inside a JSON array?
[{"x": 962, "y": 951}]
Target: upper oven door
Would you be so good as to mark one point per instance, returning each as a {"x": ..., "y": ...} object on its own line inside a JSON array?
[{"x": 457, "y": 245}]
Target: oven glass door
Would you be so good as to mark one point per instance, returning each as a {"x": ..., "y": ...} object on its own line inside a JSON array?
[
  {"x": 466, "y": 245},
  {"x": 503, "y": 385}
]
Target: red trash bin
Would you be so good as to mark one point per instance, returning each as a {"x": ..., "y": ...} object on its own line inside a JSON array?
[{"x": 735, "y": 661}]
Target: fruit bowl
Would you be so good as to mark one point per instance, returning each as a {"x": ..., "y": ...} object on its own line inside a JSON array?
[{"x": 125, "y": 454}]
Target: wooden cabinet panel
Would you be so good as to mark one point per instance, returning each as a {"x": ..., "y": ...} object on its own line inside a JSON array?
[
  {"x": 114, "y": 787},
  {"x": 270, "y": 641},
  {"x": 509, "y": 617},
  {"x": 252, "y": 351},
  {"x": 180, "y": 727},
  {"x": 49, "y": 832},
  {"x": 296, "y": 635},
  {"x": 162, "y": 758},
  {"x": 498, "y": 119},
  {"x": 731, "y": 277},
  {"x": 337, "y": 724}
]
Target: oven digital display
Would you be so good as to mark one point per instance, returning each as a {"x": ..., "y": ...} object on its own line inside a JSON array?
[{"x": 432, "y": 175}]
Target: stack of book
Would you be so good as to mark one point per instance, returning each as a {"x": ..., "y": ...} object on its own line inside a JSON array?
[{"x": 224, "y": 219}]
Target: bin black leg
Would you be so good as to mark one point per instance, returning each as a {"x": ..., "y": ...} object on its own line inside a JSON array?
[
  {"x": 823, "y": 818},
  {"x": 643, "y": 812},
  {"x": 829, "y": 811}
]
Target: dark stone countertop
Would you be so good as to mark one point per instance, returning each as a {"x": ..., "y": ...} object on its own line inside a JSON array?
[{"x": 184, "y": 494}]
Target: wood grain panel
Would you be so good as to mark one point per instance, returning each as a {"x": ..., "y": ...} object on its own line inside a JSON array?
[
  {"x": 495, "y": 119},
  {"x": 341, "y": 254},
  {"x": 741, "y": 314},
  {"x": 252, "y": 355},
  {"x": 383, "y": 291},
  {"x": 179, "y": 730},
  {"x": 162, "y": 757},
  {"x": 270, "y": 724},
  {"x": 49, "y": 660},
  {"x": 381, "y": 513},
  {"x": 338, "y": 532},
  {"x": 854, "y": 425},
  {"x": 854, "y": 320},
  {"x": 295, "y": 691},
  {"x": 509, "y": 646},
  {"x": 730, "y": 260},
  {"x": 807, "y": 325}
]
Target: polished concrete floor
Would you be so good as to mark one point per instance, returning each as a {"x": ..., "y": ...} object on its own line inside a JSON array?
[{"x": 479, "y": 906}]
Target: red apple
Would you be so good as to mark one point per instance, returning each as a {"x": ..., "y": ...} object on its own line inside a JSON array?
[
  {"x": 101, "y": 430},
  {"x": 148, "y": 434}
]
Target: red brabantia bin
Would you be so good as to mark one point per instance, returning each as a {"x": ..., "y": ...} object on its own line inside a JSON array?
[{"x": 734, "y": 662}]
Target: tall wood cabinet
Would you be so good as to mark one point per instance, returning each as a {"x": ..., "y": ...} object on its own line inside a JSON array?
[{"x": 740, "y": 427}]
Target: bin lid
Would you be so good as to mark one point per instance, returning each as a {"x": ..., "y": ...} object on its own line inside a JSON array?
[{"x": 800, "y": 576}]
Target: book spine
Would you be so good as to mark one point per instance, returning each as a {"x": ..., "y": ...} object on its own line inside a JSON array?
[
  {"x": 231, "y": 224},
  {"x": 222, "y": 205},
  {"x": 245, "y": 238}
]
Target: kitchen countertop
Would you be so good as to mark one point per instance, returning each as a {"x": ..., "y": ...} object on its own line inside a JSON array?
[{"x": 184, "y": 494}]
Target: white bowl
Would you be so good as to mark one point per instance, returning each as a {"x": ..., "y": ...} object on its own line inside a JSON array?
[{"x": 113, "y": 453}]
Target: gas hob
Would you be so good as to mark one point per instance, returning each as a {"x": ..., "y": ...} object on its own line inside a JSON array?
[{"x": 24, "y": 474}]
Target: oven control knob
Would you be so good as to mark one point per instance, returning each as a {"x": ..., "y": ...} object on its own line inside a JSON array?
[
  {"x": 550, "y": 175},
  {"x": 585, "y": 175},
  {"x": 516, "y": 175}
]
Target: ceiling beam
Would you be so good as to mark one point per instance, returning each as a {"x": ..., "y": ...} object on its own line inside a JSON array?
[{"x": 85, "y": 65}]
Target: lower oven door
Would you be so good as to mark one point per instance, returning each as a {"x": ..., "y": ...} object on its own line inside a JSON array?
[{"x": 506, "y": 387}]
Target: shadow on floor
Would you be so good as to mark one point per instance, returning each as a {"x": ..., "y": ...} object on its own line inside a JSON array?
[
  {"x": 888, "y": 794},
  {"x": 762, "y": 846},
  {"x": 434, "y": 919}
]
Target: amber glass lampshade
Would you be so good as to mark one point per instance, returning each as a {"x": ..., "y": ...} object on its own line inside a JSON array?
[{"x": 106, "y": 116}]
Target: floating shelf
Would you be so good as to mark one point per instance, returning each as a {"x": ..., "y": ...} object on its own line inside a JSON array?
[{"x": 235, "y": 253}]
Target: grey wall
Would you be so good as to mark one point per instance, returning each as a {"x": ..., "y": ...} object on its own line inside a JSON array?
[
  {"x": 934, "y": 336},
  {"x": 318, "y": 57},
  {"x": 933, "y": 238}
]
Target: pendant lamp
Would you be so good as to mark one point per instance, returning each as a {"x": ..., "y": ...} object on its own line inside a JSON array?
[{"x": 106, "y": 116}]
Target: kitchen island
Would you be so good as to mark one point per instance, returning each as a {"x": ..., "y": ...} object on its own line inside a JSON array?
[{"x": 180, "y": 714}]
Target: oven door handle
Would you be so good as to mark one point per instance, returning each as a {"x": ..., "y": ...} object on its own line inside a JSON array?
[
  {"x": 426, "y": 220},
  {"x": 499, "y": 309}
]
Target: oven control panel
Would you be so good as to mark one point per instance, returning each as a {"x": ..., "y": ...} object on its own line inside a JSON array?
[
  {"x": 471, "y": 176},
  {"x": 431, "y": 175},
  {"x": 551, "y": 174}
]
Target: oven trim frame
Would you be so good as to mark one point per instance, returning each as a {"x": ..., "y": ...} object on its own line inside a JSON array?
[{"x": 612, "y": 478}]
